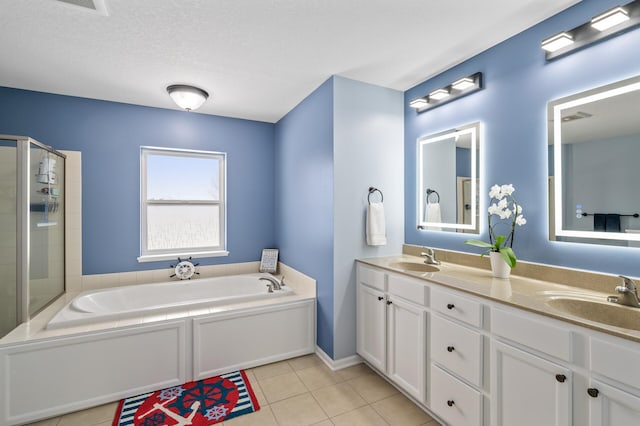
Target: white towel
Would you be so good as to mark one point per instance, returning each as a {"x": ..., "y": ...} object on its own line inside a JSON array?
[
  {"x": 376, "y": 227},
  {"x": 434, "y": 216}
]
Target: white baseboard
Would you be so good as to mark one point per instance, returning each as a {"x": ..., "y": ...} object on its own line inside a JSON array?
[{"x": 340, "y": 363}]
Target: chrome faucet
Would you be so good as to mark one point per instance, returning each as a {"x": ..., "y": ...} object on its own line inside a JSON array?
[
  {"x": 628, "y": 293},
  {"x": 430, "y": 256},
  {"x": 274, "y": 283}
]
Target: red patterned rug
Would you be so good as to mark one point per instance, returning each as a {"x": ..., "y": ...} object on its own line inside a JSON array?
[{"x": 201, "y": 403}]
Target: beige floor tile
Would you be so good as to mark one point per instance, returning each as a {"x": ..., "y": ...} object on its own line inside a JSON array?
[
  {"x": 48, "y": 422},
  {"x": 372, "y": 387},
  {"x": 280, "y": 387},
  {"x": 338, "y": 399},
  {"x": 318, "y": 377},
  {"x": 262, "y": 417},
  {"x": 306, "y": 361},
  {"x": 90, "y": 417},
  {"x": 399, "y": 410},
  {"x": 324, "y": 423},
  {"x": 300, "y": 410},
  {"x": 272, "y": 370},
  {"x": 354, "y": 371},
  {"x": 365, "y": 416}
]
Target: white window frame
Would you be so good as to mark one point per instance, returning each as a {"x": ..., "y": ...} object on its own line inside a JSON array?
[{"x": 147, "y": 255}]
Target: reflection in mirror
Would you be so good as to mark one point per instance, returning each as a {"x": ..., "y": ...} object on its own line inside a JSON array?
[
  {"x": 595, "y": 137},
  {"x": 447, "y": 189}
]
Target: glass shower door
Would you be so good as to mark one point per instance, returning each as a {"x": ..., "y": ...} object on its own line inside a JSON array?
[
  {"x": 46, "y": 227},
  {"x": 8, "y": 236}
]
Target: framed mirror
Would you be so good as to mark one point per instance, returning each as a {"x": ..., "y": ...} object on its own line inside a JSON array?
[
  {"x": 447, "y": 187},
  {"x": 594, "y": 154}
]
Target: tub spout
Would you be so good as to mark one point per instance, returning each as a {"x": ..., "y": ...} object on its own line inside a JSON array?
[{"x": 277, "y": 285}]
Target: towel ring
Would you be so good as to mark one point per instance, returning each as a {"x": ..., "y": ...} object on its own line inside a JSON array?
[
  {"x": 373, "y": 190},
  {"x": 432, "y": 191}
]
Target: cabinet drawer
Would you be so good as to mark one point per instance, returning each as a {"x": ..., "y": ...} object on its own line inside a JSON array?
[
  {"x": 533, "y": 332},
  {"x": 410, "y": 289},
  {"x": 456, "y": 306},
  {"x": 371, "y": 277},
  {"x": 616, "y": 362},
  {"x": 457, "y": 348},
  {"x": 457, "y": 403}
]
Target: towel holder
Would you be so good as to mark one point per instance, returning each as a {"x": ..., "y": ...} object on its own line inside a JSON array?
[
  {"x": 373, "y": 190},
  {"x": 630, "y": 215},
  {"x": 430, "y": 192}
]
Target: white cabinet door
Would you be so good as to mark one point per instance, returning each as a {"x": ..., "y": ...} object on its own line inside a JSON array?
[
  {"x": 527, "y": 390},
  {"x": 609, "y": 406},
  {"x": 407, "y": 346},
  {"x": 371, "y": 339}
]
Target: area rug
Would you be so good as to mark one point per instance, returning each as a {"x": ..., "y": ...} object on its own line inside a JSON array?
[{"x": 201, "y": 403}]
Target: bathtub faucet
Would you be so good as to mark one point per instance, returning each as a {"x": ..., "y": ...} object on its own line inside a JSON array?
[{"x": 274, "y": 283}]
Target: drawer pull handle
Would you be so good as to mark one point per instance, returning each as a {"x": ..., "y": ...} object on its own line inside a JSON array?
[
  {"x": 450, "y": 306},
  {"x": 389, "y": 302},
  {"x": 380, "y": 297},
  {"x": 561, "y": 378},
  {"x": 450, "y": 403},
  {"x": 593, "y": 392},
  {"x": 450, "y": 349}
]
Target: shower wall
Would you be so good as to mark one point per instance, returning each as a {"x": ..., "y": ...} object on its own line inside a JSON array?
[{"x": 8, "y": 182}]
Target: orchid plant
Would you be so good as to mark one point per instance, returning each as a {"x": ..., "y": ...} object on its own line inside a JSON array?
[{"x": 502, "y": 207}]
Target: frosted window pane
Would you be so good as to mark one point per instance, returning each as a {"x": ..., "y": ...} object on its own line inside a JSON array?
[
  {"x": 175, "y": 177},
  {"x": 179, "y": 227}
]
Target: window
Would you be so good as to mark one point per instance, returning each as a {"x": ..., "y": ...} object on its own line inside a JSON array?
[{"x": 182, "y": 204}]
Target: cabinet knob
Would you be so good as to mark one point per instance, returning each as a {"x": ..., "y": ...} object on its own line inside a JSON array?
[
  {"x": 593, "y": 392},
  {"x": 380, "y": 297},
  {"x": 450, "y": 306},
  {"x": 389, "y": 302},
  {"x": 450, "y": 403},
  {"x": 561, "y": 378},
  {"x": 450, "y": 349}
]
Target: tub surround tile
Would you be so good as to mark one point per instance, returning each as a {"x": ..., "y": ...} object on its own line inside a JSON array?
[{"x": 298, "y": 411}]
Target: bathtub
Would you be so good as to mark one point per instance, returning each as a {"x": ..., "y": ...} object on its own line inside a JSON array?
[{"x": 149, "y": 299}]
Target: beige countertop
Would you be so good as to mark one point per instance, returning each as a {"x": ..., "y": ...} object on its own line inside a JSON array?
[{"x": 517, "y": 291}]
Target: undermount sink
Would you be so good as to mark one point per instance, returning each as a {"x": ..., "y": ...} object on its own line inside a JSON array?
[
  {"x": 597, "y": 310},
  {"x": 414, "y": 267}
]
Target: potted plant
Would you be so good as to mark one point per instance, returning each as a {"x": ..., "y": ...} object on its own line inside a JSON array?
[{"x": 504, "y": 211}]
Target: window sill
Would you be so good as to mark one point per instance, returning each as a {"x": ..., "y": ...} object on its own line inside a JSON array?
[{"x": 174, "y": 256}]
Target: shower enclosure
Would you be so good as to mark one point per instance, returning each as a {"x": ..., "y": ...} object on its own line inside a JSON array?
[{"x": 32, "y": 250}]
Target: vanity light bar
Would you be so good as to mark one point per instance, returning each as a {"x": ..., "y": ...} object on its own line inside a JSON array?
[
  {"x": 607, "y": 24},
  {"x": 459, "y": 88}
]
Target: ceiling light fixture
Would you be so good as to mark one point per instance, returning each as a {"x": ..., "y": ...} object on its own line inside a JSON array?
[
  {"x": 461, "y": 87},
  {"x": 610, "y": 19},
  {"x": 189, "y": 98},
  {"x": 603, "y": 26}
]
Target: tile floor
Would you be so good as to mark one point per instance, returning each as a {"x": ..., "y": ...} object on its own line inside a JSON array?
[{"x": 302, "y": 391}]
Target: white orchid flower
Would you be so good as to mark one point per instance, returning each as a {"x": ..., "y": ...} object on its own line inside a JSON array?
[
  {"x": 495, "y": 192},
  {"x": 494, "y": 209},
  {"x": 520, "y": 220},
  {"x": 505, "y": 214},
  {"x": 503, "y": 204},
  {"x": 507, "y": 189}
]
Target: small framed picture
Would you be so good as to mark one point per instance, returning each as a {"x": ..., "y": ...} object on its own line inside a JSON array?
[{"x": 269, "y": 261}]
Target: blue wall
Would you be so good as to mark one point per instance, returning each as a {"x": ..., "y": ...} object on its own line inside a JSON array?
[
  {"x": 304, "y": 198},
  {"x": 110, "y": 134},
  {"x": 513, "y": 111}
]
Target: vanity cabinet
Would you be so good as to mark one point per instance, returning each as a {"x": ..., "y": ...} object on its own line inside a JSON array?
[{"x": 391, "y": 330}]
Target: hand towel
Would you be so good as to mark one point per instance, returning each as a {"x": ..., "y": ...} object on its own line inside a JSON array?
[
  {"x": 434, "y": 215},
  {"x": 612, "y": 223},
  {"x": 376, "y": 226},
  {"x": 599, "y": 222}
]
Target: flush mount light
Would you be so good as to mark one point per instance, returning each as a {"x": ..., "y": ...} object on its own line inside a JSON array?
[
  {"x": 603, "y": 26},
  {"x": 557, "y": 42},
  {"x": 461, "y": 87},
  {"x": 610, "y": 19},
  {"x": 187, "y": 97}
]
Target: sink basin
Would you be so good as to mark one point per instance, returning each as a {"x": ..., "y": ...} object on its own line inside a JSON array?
[
  {"x": 414, "y": 267},
  {"x": 597, "y": 310}
]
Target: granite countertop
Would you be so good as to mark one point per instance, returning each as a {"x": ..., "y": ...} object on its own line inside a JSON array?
[{"x": 517, "y": 291}]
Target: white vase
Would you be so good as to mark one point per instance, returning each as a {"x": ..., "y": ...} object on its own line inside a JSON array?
[{"x": 499, "y": 267}]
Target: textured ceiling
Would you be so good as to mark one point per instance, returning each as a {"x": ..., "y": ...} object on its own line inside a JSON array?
[{"x": 257, "y": 58}]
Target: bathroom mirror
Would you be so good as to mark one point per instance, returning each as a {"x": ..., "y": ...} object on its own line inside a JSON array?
[
  {"x": 447, "y": 187},
  {"x": 594, "y": 150}
]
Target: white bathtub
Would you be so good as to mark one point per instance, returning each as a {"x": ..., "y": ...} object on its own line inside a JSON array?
[{"x": 147, "y": 299}]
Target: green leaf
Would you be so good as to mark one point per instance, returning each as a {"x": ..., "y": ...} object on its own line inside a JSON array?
[
  {"x": 479, "y": 243},
  {"x": 509, "y": 256},
  {"x": 499, "y": 240}
]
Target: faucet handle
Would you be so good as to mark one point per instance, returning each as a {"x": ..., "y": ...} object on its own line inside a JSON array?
[
  {"x": 282, "y": 281},
  {"x": 627, "y": 285}
]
